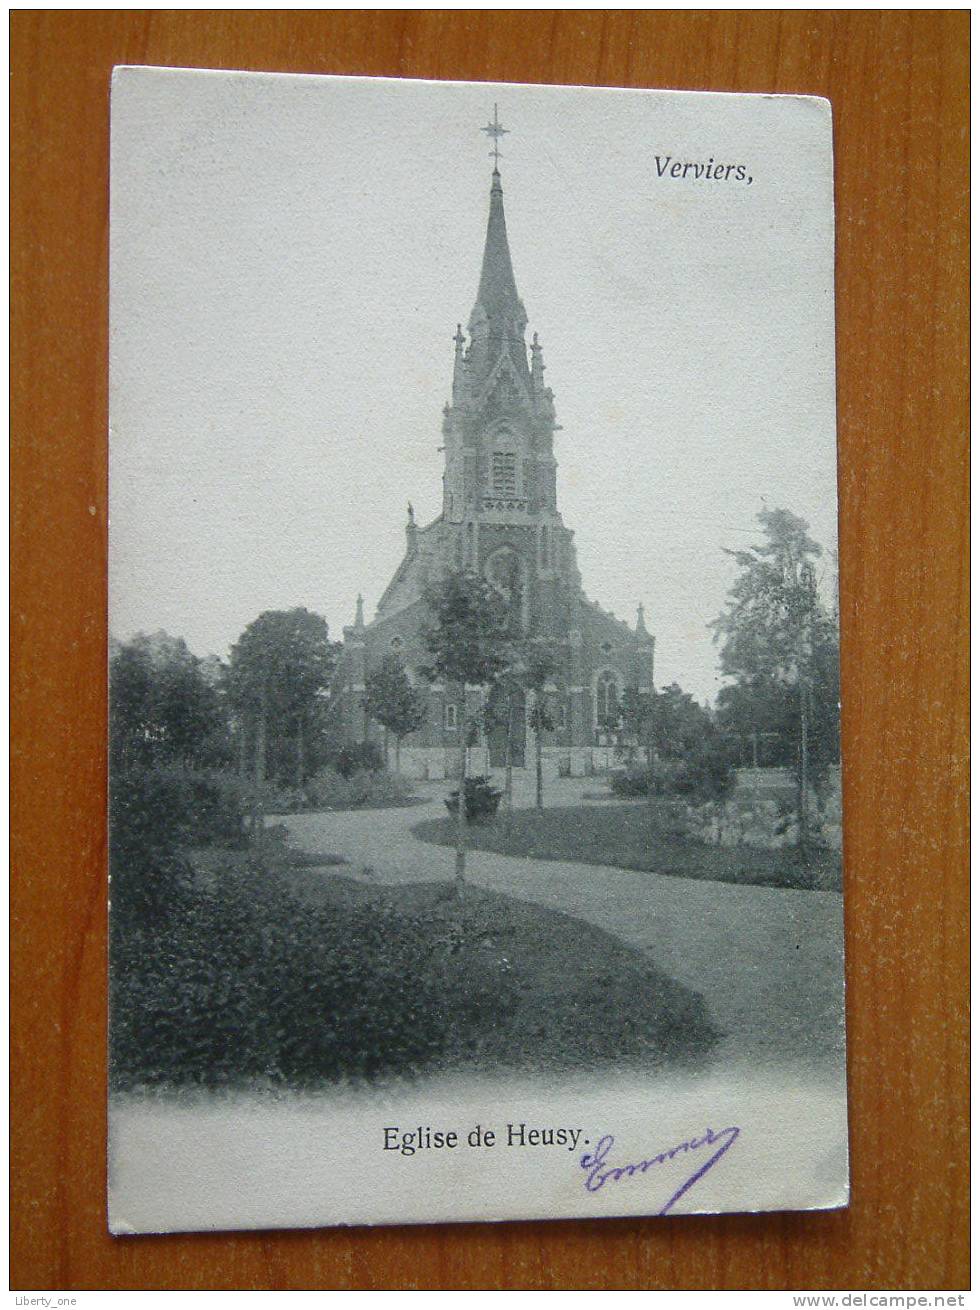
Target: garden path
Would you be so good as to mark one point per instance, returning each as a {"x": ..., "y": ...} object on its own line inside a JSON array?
[{"x": 766, "y": 960}]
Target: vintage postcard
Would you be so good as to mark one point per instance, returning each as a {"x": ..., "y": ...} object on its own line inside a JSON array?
[{"x": 475, "y": 805}]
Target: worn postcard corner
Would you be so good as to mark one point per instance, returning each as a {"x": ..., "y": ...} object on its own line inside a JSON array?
[{"x": 475, "y": 807}]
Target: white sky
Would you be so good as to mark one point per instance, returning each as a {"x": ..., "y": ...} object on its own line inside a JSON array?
[{"x": 290, "y": 258}]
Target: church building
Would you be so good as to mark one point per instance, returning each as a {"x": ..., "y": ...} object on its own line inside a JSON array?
[{"x": 500, "y": 517}]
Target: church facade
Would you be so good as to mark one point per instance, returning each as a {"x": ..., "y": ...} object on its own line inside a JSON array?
[{"x": 500, "y": 518}]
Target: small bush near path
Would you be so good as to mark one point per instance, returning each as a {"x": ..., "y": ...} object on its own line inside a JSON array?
[
  {"x": 357, "y": 757},
  {"x": 330, "y": 790},
  {"x": 649, "y": 838}
]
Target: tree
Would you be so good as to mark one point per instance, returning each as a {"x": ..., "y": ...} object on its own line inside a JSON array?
[
  {"x": 687, "y": 754},
  {"x": 759, "y": 716},
  {"x": 637, "y": 718},
  {"x": 163, "y": 708},
  {"x": 131, "y": 718},
  {"x": 505, "y": 709},
  {"x": 391, "y": 700},
  {"x": 279, "y": 666},
  {"x": 521, "y": 688},
  {"x": 537, "y": 666},
  {"x": 467, "y": 638},
  {"x": 779, "y": 641}
]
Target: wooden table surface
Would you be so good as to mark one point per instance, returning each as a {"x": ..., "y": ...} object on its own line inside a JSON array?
[{"x": 898, "y": 83}]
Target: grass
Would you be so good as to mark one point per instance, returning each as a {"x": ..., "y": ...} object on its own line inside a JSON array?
[
  {"x": 265, "y": 968},
  {"x": 565, "y": 994},
  {"x": 637, "y": 836}
]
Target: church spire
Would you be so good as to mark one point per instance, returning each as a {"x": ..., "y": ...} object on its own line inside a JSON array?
[
  {"x": 497, "y": 299},
  {"x": 498, "y": 311},
  {"x": 497, "y": 358}
]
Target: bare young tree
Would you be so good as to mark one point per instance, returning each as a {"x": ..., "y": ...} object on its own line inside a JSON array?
[{"x": 467, "y": 640}]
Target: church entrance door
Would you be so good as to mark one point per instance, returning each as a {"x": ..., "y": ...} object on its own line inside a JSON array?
[{"x": 501, "y": 706}]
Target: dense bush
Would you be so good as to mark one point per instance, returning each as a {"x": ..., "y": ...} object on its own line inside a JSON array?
[
  {"x": 358, "y": 757},
  {"x": 330, "y": 790},
  {"x": 480, "y": 799},
  {"x": 167, "y": 808},
  {"x": 702, "y": 775},
  {"x": 219, "y": 979},
  {"x": 631, "y": 782},
  {"x": 244, "y": 982},
  {"x": 154, "y": 816},
  {"x": 276, "y": 798}
]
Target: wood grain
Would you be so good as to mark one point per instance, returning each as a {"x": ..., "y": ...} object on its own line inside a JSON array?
[{"x": 898, "y": 82}]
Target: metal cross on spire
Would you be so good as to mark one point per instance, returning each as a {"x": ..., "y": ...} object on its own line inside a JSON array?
[{"x": 495, "y": 131}]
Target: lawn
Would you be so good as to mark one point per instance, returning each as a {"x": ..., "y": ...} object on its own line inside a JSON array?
[
  {"x": 259, "y": 966},
  {"x": 636, "y": 836}
]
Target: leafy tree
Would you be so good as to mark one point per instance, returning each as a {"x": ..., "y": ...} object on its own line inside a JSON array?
[
  {"x": 680, "y": 725},
  {"x": 279, "y": 668},
  {"x": 467, "y": 638},
  {"x": 163, "y": 708},
  {"x": 391, "y": 700},
  {"x": 188, "y": 708},
  {"x": 760, "y": 717},
  {"x": 778, "y": 640},
  {"x": 636, "y": 718},
  {"x": 132, "y": 725},
  {"x": 687, "y": 752}
]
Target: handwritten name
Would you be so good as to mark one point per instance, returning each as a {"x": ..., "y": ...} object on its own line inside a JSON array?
[
  {"x": 599, "y": 1172},
  {"x": 704, "y": 170}
]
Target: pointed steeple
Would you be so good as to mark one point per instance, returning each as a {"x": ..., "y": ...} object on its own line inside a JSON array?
[
  {"x": 497, "y": 297},
  {"x": 498, "y": 320},
  {"x": 359, "y": 612}
]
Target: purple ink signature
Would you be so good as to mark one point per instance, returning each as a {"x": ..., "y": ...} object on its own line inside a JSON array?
[{"x": 598, "y": 1173}]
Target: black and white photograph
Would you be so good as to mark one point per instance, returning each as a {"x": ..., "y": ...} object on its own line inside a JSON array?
[{"x": 475, "y": 781}]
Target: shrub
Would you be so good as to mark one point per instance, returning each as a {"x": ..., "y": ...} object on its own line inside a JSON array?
[
  {"x": 163, "y": 809},
  {"x": 330, "y": 790},
  {"x": 630, "y": 782},
  {"x": 154, "y": 815},
  {"x": 247, "y": 982},
  {"x": 359, "y": 757},
  {"x": 480, "y": 799},
  {"x": 702, "y": 775},
  {"x": 278, "y": 799}
]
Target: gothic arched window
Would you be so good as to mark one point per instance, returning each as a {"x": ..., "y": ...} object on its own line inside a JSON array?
[{"x": 505, "y": 448}]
